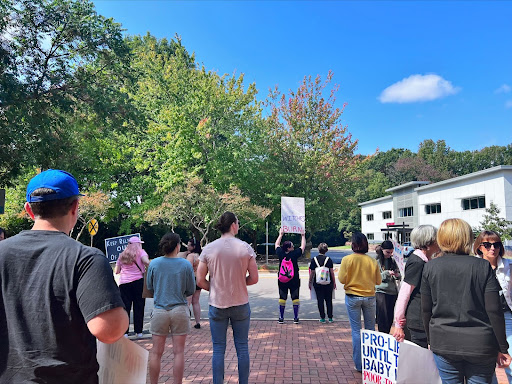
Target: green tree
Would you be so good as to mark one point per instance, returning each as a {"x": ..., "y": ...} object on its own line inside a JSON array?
[
  {"x": 492, "y": 221},
  {"x": 310, "y": 153},
  {"x": 62, "y": 64}
]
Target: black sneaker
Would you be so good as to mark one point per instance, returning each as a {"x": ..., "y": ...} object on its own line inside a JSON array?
[
  {"x": 280, "y": 321},
  {"x": 197, "y": 326},
  {"x": 296, "y": 321}
]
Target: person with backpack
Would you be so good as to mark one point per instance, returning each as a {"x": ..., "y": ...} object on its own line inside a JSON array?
[
  {"x": 288, "y": 275},
  {"x": 321, "y": 278}
]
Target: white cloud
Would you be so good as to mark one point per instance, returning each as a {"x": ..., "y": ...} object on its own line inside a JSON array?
[
  {"x": 505, "y": 88},
  {"x": 418, "y": 88},
  {"x": 508, "y": 104}
]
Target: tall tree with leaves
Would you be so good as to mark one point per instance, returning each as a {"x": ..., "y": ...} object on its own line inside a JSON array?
[
  {"x": 310, "y": 153},
  {"x": 61, "y": 64}
]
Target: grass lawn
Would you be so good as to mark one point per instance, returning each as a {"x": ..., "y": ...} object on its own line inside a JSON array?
[{"x": 339, "y": 248}]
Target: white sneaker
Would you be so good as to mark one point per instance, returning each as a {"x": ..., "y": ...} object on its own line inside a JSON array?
[
  {"x": 126, "y": 335},
  {"x": 139, "y": 335}
]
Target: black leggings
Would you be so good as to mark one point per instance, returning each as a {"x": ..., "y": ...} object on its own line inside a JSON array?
[
  {"x": 294, "y": 292},
  {"x": 324, "y": 293},
  {"x": 132, "y": 293},
  {"x": 385, "y": 310}
]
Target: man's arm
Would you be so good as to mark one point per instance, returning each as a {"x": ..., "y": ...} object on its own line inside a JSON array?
[
  {"x": 303, "y": 242},
  {"x": 109, "y": 326},
  {"x": 202, "y": 271},
  {"x": 279, "y": 238},
  {"x": 253, "y": 276}
]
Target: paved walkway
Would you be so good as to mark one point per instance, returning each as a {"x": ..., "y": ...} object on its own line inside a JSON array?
[{"x": 312, "y": 353}]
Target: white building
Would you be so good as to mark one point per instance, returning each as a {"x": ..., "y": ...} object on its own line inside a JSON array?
[{"x": 419, "y": 202}]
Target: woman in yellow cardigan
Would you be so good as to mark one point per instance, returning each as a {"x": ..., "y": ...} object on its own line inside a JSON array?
[{"x": 360, "y": 274}]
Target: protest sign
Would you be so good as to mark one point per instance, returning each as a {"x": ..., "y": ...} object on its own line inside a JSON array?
[
  {"x": 398, "y": 255},
  {"x": 115, "y": 245},
  {"x": 123, "y": 362},
  {"x": 379, "y": 354},
  {"x": 293, "y": 217},
  {"x": 416, "y": 365}
]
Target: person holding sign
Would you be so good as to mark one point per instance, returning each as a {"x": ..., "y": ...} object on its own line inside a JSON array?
[
  {"x": 172, "y": 279},
  {"x": 462, "y": 310},
  {"x": 57, "y": 296},
  {"x": 408, "y": 304},
  {"x": 488, "y": 245},
  {"x": 323, "y": 285},
  {"x": 386, "y": 293},
  {"x": 131, "y": 265},
  {"x": 360, "y": 273},
  {"x": 288, "y": 279}
]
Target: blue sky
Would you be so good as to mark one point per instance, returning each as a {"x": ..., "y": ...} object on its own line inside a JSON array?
[{"x": 408, "y": 71}]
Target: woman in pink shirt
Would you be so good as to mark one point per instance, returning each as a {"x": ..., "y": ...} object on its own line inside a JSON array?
[{"x": 131, "y": 265}]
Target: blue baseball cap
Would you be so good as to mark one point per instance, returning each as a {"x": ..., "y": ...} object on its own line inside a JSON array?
[{"x": 62, "y": 182}]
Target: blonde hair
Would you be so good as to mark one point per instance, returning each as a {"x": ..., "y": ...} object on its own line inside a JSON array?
[
  {"x": 128, "y": 256},
  {"x": 455, "y": 236}
]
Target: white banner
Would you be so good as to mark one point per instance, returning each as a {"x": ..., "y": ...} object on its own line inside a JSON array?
[
  {"x": 122, "y": 362},
  {"x": 293, "y": 216},
  {"x": 379, "y": 354},
  {"x": 398, "y": 255},
  {"x": 416, "y": 365}
]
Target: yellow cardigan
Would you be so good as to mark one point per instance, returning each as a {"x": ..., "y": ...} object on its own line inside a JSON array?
[{"x": 360, "y": 274}]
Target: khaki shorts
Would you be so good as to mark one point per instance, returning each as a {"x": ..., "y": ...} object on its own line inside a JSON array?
[{"x": 175, "y": 321}]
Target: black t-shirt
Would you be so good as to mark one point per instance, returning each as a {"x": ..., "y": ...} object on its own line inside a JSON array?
[
  {"x": 459, "y": 324},
  {"x": 413, "y": 272},
  {"x": 320, "y": 258},
  {"x": 51, "y": 286},
  {"x": 294, "y": 256}
]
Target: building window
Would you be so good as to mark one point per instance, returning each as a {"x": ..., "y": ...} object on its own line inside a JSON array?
[
  {"x": 386, "y": 215},
  {"x": 473, "y": 203},
  {"x": 432, "y": 208},
  {"x": 369, "y": 236},
  {"x": 369, "y": 217},
  {"x": 388, "y": 236},
  {"x": 404, "y": 212}
]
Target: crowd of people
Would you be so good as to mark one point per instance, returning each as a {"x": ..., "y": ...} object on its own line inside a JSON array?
[{"x": 454, "y": 296}]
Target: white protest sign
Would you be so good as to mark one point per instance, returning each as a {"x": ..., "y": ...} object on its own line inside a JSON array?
[
  {"x": 293, "y": 216},
  {"x": 416, "y": 365},
  {"x": 398, "y": 255},
  {"x": 122, "y": 362},
  {"x": 379, "y": 354}
]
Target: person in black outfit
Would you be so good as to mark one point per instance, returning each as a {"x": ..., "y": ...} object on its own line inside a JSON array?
[
  {"x": 323, "y": 292},
  {"x": 462, "y": 310},
  {"x": 290, "y": 253}
]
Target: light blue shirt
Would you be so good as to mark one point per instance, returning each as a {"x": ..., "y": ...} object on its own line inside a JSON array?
[{"x": 172, "y": 280}]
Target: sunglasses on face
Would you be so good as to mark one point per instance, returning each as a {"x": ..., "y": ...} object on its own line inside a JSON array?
[{"x": 488, "y": 245}]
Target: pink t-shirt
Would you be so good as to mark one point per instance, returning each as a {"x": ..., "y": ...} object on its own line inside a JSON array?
[
  {"x": 131, "y": 273},
  {"x": 227, "y": 260}
]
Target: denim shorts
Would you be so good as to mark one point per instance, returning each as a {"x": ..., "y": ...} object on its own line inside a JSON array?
[{"x": 175, "y": 321}]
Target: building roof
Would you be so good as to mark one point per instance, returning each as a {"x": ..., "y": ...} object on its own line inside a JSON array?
[
  {"x": 464, "y": 177},
  {"x": 407, "y": 185},
  {"x": 384, "y": 198}
]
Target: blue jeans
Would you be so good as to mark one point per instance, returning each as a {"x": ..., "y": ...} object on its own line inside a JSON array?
[
  {"x": 475, "y": 370},
  {"x": 240, "y": 317},
  {"x": 508, "y": 328},
  {"x": 354, "y": 306}
]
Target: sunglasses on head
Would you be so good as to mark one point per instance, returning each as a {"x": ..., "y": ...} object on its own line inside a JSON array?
[{"x": 487, "y": 244}]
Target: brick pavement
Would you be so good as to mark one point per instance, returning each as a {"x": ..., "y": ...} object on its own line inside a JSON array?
[{"x": 271, "y": 345}]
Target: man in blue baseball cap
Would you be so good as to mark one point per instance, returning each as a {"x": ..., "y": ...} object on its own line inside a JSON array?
[{"x": 57, "y": 295}]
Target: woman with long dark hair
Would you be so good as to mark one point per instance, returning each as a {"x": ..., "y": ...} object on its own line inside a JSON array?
[{"x": 387, "y": 292}]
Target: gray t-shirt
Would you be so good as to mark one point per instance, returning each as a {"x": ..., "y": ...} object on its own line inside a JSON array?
[
  {"x": 51, "y": 286},
  {"x": 172, "y": 280}
]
